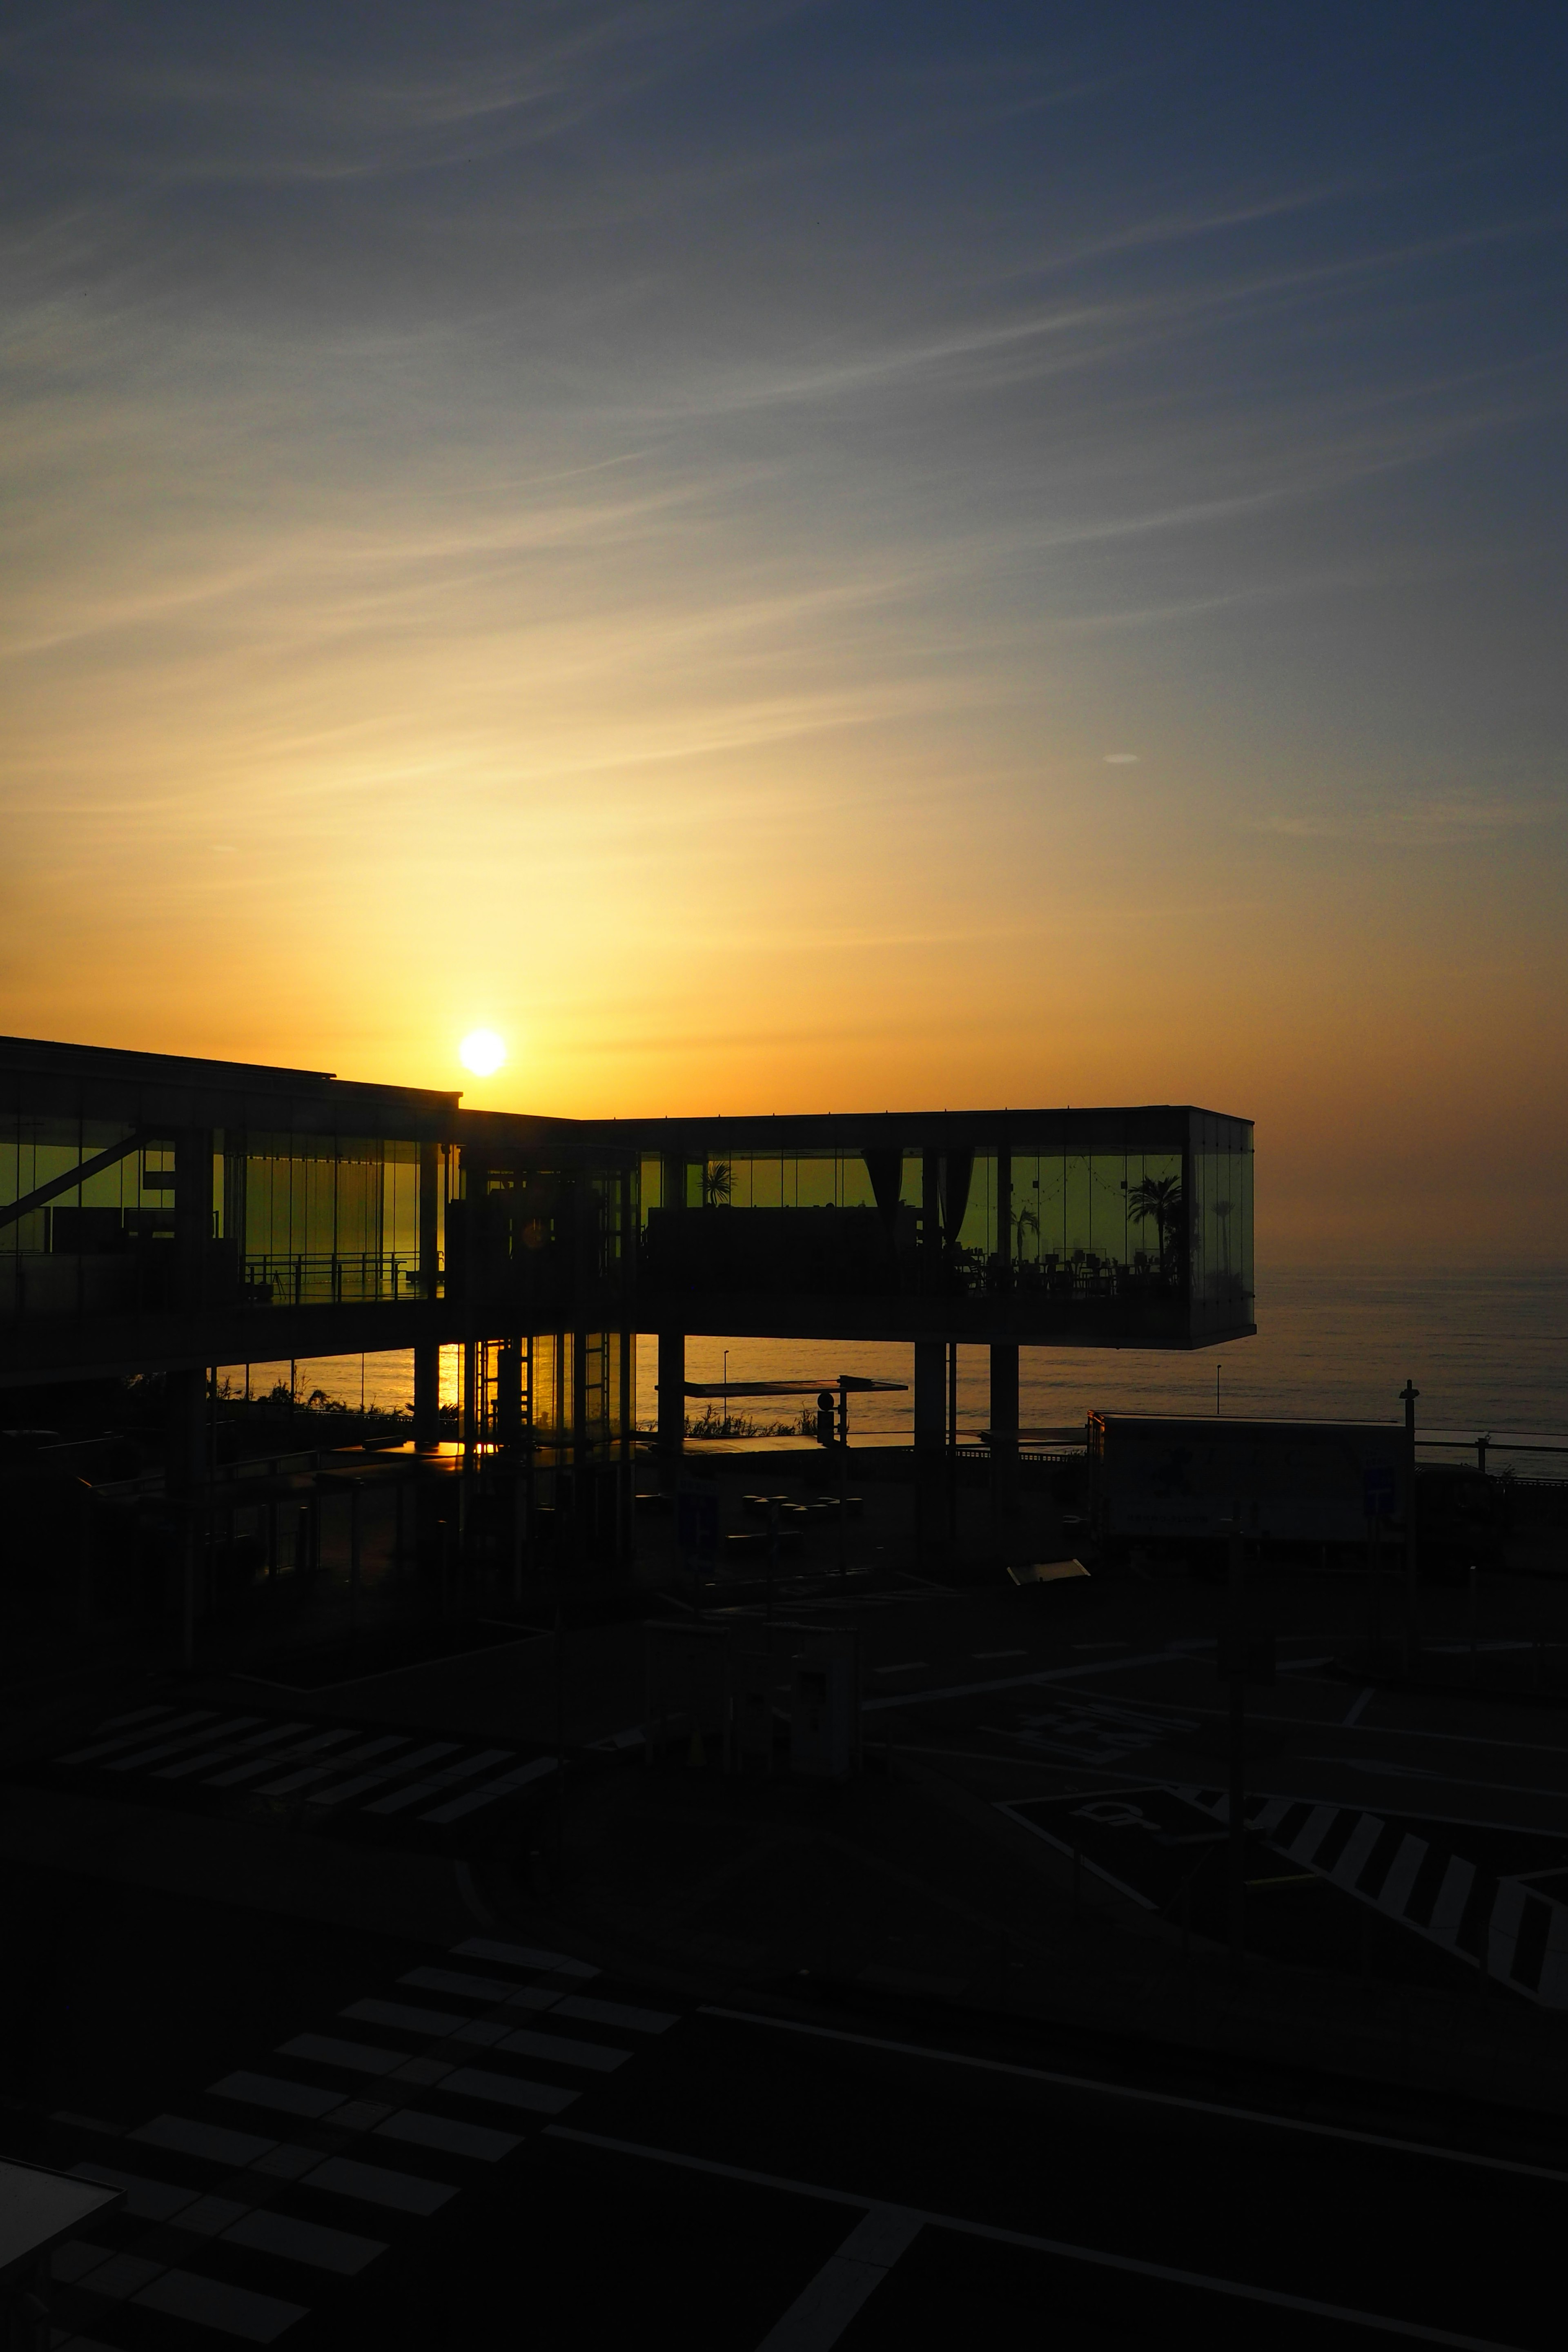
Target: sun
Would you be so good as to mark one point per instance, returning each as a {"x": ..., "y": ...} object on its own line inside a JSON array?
[{"x": 482, "y": 1052}]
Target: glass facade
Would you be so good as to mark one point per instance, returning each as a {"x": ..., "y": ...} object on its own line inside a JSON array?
[
  {"x": 278, "y": 1219},
  {"x": 321, "y": 1220},
  {"x": 1153, "y": 1223}
]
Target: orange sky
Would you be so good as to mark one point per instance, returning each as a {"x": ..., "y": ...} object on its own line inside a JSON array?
[{"x": 836, "y": 629}]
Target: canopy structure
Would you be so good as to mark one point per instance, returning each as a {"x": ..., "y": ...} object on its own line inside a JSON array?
[{"x": 786, "y": 1387}]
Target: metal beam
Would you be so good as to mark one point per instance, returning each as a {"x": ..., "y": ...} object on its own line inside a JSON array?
[{"x": 16, "y": 1210}]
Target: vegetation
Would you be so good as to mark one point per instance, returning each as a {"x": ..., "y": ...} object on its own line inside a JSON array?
[{"x": 1157, "y": 1201}]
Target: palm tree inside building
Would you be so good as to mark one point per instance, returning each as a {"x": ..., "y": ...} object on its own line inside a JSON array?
[{"x": 1157, "y": 1201}]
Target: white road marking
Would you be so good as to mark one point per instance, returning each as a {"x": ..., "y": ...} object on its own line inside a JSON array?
[
  {"x": 596, "y": 2057},
  {"x": 273, "y": 2091},
  {"x": 1313, "y": 1832},
  {"x": 311, "y": 1747},
  {"x": 1394, "y": 1893},
  {"x": 326, "y": 2049},
  {"x": 1095, "y": 2257},
  {"x": 1358, "y": 1849},
  {"x": 382, "y": 1772},
  {"x": 212, "y": 2303},
  {"x": 445, "y": 2131},
  {"x": 302, "y": 1779},
  {"x": 373, "y": 2184},
  {"x": 141, "y": 1756},
  {"x": 1452, "y": 1897},
  {"x": 1141, "y": 2097},
  {"x": 121, "y": 2274},
  {"x": 1018, "y": 1682},
  {"x": 119, "y": 1722},
  {"x": 145, "y": 2201},
  {"x": 1360, "y": 1704},
  {"x": 267, "y": 2231},
  {"x": 435, "y": 2023},
  {"x": 225, "y": 1750},
  {"x": 132, "y": 1739},
  {"x": 209, "y": 2217},
  {"x": 188, "y": 2138},
  {"x": 436, "y": 1780},
  {"x": 615, "y": 2012},
  {"x": 821, "y": 2313},
  {"x": 507, "y": 2091},
  {"x": 491, "y": 1790},
  {"x": 521, "y": 1956},
  {"x": 453, "y": 1980}
]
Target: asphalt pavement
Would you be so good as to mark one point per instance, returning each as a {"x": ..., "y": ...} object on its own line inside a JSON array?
[{"x": 328, "y": 2138}]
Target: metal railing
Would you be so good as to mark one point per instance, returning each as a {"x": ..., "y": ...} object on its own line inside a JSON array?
[{"x": 318, "y": 1278}]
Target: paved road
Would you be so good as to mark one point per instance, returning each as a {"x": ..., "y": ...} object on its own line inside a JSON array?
[{"x": 329, "y": 2138}]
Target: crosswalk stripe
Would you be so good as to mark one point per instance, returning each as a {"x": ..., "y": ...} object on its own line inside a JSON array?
[
  {"x": 140, "y": 1757},
  {"x": 267, "y": 2231},
  {"x": 435, "y": 2023},
  {"x": 1319, "y": 1823},
  {"x": 491, "y": 1790},
  {"x": 326, "y": 2049},
  {"x": 1357, "y": 1850},
  {"x": 453, "y": 1980},
  {"x": 615, "y": 2012},
  {"x": 132, "y": 1739},
  {"x": 439, "y": 1781},
  {"x": 481, "y": 2141},
  {"x": 373, "y": 2184},
  {"x": 214, "y": 2303},
  {"x": 225, "y": 1750},
  {"x": 1452, "y": 1897},
  {"x": 303, "y": 1777},
  {"x": 595, "y": 2056},
  {"x": 145, "y": 2201},
  {"x": 383, "y": 1773},
  {"x": 273, "y": 2091},
  {"x": 187, "y": 2136},
  {"x": 1403, "y": 1873},
  {"x": 520, "y": 1956},
  {"x": 507, "y": 2091},
  {"x": 249, "y": 1771}
]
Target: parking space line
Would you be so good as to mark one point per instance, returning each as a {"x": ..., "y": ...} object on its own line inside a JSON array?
[
  {"x": 1140, "y": 2096},
  {"x": 821, "y": 2313},
  {"x": 1094, "y": 2257}
]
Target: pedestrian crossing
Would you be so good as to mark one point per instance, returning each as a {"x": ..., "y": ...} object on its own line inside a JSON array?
[
  {"x": 332, "y": 1771},
  {"x": 285, "y": 2181},
  {"x": 1409, "y": 1871}
]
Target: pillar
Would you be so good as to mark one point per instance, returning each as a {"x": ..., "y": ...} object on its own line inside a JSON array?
[
  {"x": 184, "y": 1471},
  {"x": 930, "y": 1417},
  {"x": 1003, "y": 1443}
]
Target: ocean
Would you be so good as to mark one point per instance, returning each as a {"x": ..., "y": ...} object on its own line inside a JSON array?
[{"x": 1489, "y": 1353}]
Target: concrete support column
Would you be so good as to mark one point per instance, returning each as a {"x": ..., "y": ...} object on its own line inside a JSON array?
[
  {"x": 671, "y": 1407},
  {"x": 931, "y": 1426},
  {"x": 1004, "y": 1220},
  {"x": 1003, "y": 1443},
  {"x": 186, "y": 1470}
]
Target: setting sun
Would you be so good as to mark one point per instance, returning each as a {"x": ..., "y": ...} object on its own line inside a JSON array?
[{"x": 482, "y": 1052}]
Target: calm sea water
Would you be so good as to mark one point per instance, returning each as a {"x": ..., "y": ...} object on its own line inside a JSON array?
[{"x": 1488, "y": 1351}]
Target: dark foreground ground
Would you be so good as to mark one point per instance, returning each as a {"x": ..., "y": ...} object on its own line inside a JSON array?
[{"x": 950, "y": 2053}]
